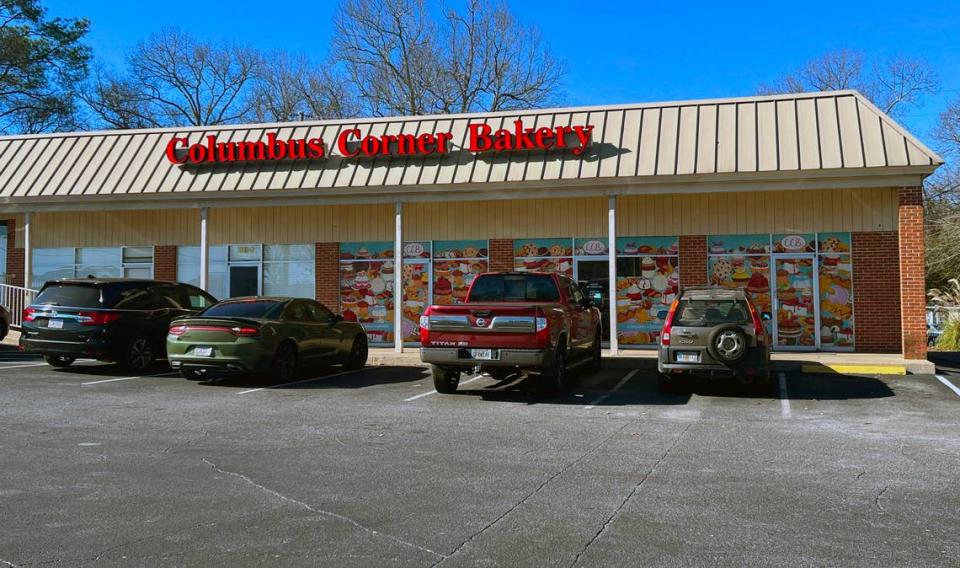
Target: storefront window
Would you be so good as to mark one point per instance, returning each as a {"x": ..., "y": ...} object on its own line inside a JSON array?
[
  {"x": 289, "y": 270},
  {"x": 366, "y": 287},
  {"x": 101, "y": 262},
  {"x": 544, "y": 255},
  {"x": 275, "y": 270},
  {"x": 743, "y": 261},
  {"x": 455, "y": 265},
  {"x": 836, "y": 292},
  {"x": 648, "y": 278}
]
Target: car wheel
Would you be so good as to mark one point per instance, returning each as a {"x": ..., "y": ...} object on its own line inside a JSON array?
[
  {"x": 192, "y": 374},
  {"x": 284, "y": 365},
  {"x": 557, "y": 380},
  {"x": 139, "y": 355},
  {"x": 445, "y": 379},
  {"x": 4, "y": 330},
  {"x": 358, "y": 353},
  {"x": 60, "y": 362},
  {"x": 727, "y": 344}
]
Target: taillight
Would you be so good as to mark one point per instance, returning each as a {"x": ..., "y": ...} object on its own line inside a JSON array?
[
  {"x": 29, "y": 314},
  {"x": 543, "y": 334},
  {"x": 178, "y": 330},
  {"x": 98, "y": 318},
  {"x": 244, "y": 331},
  {"x": 425, "y": 327},
  {"x": 668, "y": 324},
  {"x": 758, "y": 328}
]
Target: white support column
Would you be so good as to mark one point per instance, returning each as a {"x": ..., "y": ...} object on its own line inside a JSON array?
[
  {"x": 204, "y": 248},
  {"x": 398, "y": 278},
  {"x": 612, "y": 256},
  {"x": 27, "y": 256}
]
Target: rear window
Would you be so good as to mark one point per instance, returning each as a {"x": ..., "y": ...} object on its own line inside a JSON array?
[
  {"x": 266, "y": 309},
  {"x": 514, "y": 288},
  {"x": 703, "y": 313},
  {"x": 70, "y": 295}
]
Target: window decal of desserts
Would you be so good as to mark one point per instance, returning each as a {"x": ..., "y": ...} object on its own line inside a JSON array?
[
  {"x": 366, "y": 287},
  {"x": 648, "y": 278},
  {"x": 455, "y": 265},
  {"x": 544, "y": 255},
  {"x": 742, "y": 261},
  {"x": 416, "y": 287},
  {"x": 836, "y": 292},
  {"x": 590, "y": 247},
  {"x": 796, "y": 317}
]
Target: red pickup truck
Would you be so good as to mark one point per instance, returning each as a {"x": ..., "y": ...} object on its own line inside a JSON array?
[{"x": 511, "y": 321}]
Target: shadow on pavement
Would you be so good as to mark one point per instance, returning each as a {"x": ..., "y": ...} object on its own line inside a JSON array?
[
  {"x": 945, "y": 360},
  {"x": 323, "y": 378}
]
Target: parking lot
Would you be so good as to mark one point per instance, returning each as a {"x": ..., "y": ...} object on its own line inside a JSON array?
[{"x": 373, "y": 468}]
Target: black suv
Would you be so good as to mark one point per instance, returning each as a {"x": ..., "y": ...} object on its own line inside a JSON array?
[
  {"x": 4, "y": 322},
  {"x": 124, "y": 321},
  {"x": 713, "y": 332}
]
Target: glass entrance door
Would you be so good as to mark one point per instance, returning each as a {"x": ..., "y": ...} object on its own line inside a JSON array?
[
  {"x": 244, "y": 280},
  {"x": 795, "y": 303},
  {"x": 594, "y": 278}
]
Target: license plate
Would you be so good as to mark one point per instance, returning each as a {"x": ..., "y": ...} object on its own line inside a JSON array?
[
  {"x": 203, "y": 351},
  {"x": 55, "y": 324},
  {"x": 483, "y": 354},
  {"x": 688, "y": 357}
]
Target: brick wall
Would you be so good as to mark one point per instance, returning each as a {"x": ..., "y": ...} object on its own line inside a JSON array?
[
  {"x": 693, "y": 260},
  {"x": 876, "y": 292},
  {"x": 328, "y": 275},
  {"x": 501, "y": 254},
  {"x": 165, "y": 262},
  {"x": 913, "y": 297},
  {"x": 14, "y": 255}
]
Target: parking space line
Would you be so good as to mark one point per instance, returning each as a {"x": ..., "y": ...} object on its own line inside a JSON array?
[
  {"x": 21, "y": 366},
  {"x": 468, "y": 381},
  {"x": 784, "y": 397},
  {"x": 168, "y": 373},
  {"x": 616, "y": 387},
  {"x": 949, "y": 385},
  {"x": 302, "y": 381}
]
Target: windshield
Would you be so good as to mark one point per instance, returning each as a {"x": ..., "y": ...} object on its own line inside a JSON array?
[
  {"x": 703, "y": 313},
  {"x": 514, "y": 288},
  {"x": 70, "y": 295},
  {"x": 264, "y": 309}
]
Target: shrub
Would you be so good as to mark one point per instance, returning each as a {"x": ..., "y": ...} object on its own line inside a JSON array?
[{"x": 950, "y": 338}]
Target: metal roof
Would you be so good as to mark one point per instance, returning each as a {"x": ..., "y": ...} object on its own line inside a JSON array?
[{"x": 642, "y": 143}]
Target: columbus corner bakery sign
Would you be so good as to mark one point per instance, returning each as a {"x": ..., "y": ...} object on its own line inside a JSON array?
[{"x": 353, "y": 143}]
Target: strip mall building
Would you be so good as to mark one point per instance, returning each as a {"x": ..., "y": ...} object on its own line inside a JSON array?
[{"x": 811, "y": 202}]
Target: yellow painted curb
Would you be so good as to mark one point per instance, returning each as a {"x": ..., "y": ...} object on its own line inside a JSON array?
[{"x": 855, "y": 369}]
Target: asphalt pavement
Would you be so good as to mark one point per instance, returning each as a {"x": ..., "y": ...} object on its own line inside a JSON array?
[{"x": 373, "y": 468}]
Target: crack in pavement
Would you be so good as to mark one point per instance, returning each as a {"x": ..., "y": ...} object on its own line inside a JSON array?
[
  {"x": 630, "y": 495},
  {"x": 562, "y": 470},
  {"x": 876, "y": 500},
  {"x": 330, "y": 514}
]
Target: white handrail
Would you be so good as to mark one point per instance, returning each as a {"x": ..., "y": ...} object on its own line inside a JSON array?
[{"x": 15, "y": 299}]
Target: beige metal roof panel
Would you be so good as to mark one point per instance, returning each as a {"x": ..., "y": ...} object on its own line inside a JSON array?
[{"x": 806, "y": 131}]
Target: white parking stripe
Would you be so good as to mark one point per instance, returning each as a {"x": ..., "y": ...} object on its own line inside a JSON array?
[
  {"x": 950, "y": 385},
  {"x": 477, "y": 378},
  {"x": 617, "y": 387},
  {"x": 301, "y": 381},
  {"x": 784, "y": 397},
  {"x": 127, "y": 378},
  {"x": 22, "y": 366}
]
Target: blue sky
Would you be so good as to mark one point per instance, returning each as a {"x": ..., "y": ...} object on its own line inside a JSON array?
[{"x": 615, "y": 52}]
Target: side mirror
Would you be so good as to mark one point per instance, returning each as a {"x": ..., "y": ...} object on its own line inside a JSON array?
[{"x": 662, "y": 314}]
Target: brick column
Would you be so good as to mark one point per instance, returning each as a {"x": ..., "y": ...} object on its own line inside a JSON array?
[
  {"x": 693, "y": 260},
  {"x": 913, "y": 296},
  {"x": 501, "y": 254},
  {"x": 328, "y": 275},
  {"x": 14, "y": 255},
  {"x": 165, "y": 262},
  {"x": 876, "y": 292}
]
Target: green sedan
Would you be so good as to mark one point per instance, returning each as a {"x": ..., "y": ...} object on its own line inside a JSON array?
[{"x": 268, "y": 336}]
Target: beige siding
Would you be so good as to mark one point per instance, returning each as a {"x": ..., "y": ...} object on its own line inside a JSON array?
[
  {"x": 280, "y": 225},
  {"x": 115, "y": 228}
]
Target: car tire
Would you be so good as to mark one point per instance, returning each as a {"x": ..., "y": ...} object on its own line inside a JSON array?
[
  {"x": 4, "y": 330},
  {"x": 57, "y": 361},
  {"x": 557, "y": 378},
  {"x": 358, "y": 354},
  {"x": 284, "y": 366},
  {"x": 727, "y": 344},
  {"x": 192, "y": 374},
  {"x": 445, "y": 379},
  {"x": 139, "y": 355}
]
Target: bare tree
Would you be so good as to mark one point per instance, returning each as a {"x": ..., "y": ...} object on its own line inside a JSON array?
[
  {"x": 481, "y": 58},
  {"x": 174, "y": 79},
  {"x": 892, "y": 84},
  {"x": 291, "y": 87}
]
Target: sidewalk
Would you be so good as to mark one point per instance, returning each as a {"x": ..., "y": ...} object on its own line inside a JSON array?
[{"x": 843, "y": 363}]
